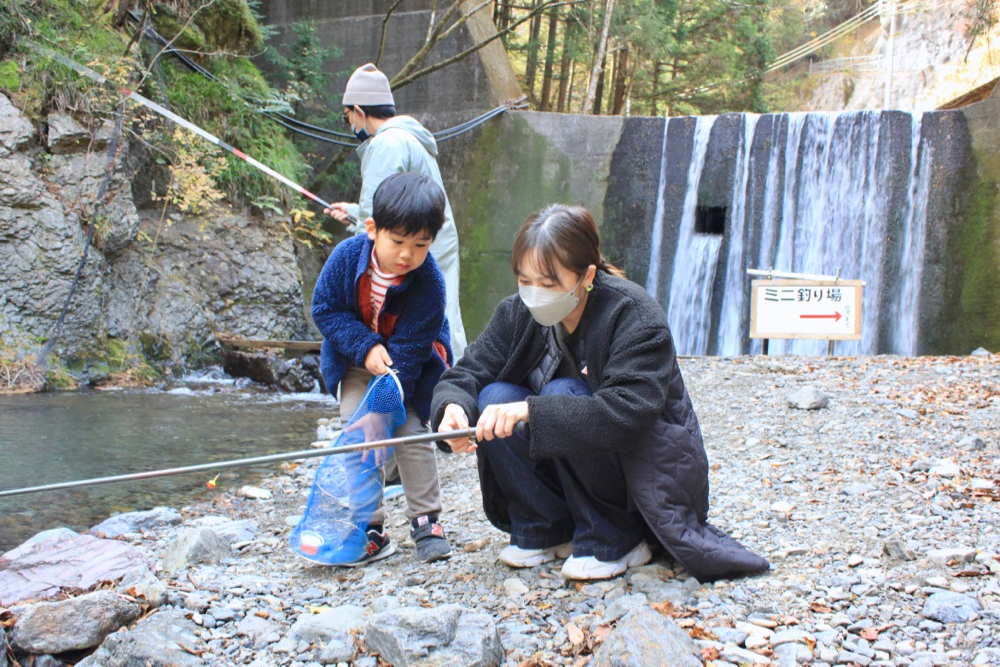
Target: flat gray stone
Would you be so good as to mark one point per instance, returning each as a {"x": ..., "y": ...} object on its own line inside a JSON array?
[
  {"x": 946, "y": 556},
  {"x": 195, "y": 546},
  {"x": 155, "y": 642},
  {"x": 73, "y": 624},
  {"x": 624, "y": 605},
  {"x": 446, "y": 635},
  {"x": 136, "y": 522},
  {"x": 331, "y": 624},
  {"x": 894, "y": 547},
  {"x": 66, "y": 134},
  {"x": 791, "y": 636},
  {"x": 808, "y": 398},
  {"x": 791, "y": 654},
  {"x": 948, "y": 607},
  {"x": 141, "y": 583},
  {"x": 646, "y": 637},
  {"x": 44, "y": 569}
]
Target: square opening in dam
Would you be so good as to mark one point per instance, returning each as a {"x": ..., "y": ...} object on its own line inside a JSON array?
[{"x": 710, "y": 220}]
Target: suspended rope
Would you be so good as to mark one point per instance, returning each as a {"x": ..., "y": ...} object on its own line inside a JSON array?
[{"x": 301, "y": 127}]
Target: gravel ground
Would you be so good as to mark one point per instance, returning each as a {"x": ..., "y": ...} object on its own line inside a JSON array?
[{"x": 878, "y": 513}]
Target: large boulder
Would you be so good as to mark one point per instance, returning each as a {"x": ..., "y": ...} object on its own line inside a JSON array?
[
  {"x": 642, "y": 638},
  {"x": 197, "y": 545},
  {"x": 447, "y": 635},
  {"x": 71, "y": 625},
  {"x": 270, "y": 369},
  {"x": 137, "y": 522},
  {"x": 43, "y": 569},
  {"x": 165, "y": 639}
]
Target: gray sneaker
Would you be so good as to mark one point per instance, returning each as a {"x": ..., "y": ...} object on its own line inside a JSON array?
[{"x": 429, "y": 537}]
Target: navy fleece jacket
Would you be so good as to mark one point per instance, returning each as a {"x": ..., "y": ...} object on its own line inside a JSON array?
[{"x": 416, "y": 305}]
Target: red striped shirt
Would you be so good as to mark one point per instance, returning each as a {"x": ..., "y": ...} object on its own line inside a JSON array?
[{"x": 380, "y": 284}]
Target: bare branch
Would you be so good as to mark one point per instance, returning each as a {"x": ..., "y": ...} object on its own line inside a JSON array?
[
  {"x": 385, "y": 22},
  {"x": 407, "y": 75},
  {"x": 430, "y": 43}
]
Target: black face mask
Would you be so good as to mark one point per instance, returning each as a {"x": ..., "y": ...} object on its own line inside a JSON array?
[{"x": 362, "y": 134}]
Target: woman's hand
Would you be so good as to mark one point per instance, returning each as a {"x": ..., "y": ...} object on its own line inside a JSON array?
[
  {"x": 498, "y": 421},
  {"x": 454, "y": 419},
  {"x": 378, "y": 361}
]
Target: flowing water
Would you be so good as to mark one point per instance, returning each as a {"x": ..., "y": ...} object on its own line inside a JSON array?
[{"x": 63, "y": 436}]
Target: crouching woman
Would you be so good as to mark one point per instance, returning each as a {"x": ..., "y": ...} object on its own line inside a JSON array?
[{"x": 612, "y": 453}]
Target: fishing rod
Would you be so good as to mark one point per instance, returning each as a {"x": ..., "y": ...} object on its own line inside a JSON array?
[
  {"x": 242, "y": 463},
  {"x": 167, "y": 113},
  {"x": 520, "y": 428}
]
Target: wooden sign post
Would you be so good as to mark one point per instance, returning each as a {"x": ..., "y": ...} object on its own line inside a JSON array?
[{"x": 806, "y": 309}]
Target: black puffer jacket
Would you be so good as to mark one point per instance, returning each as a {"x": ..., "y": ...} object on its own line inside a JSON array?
[{"x": 640, "y": 410}]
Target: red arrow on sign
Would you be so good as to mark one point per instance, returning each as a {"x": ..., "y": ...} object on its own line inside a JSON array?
[{"x": 835, "y": 317}]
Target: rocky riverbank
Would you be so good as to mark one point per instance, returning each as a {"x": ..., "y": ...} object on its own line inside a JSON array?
[{"x": 871, "y": 485}]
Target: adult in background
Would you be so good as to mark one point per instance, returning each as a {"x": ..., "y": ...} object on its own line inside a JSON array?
[
  {"x": 391, "y": 144},
  {"x": 612, "y": 452}
]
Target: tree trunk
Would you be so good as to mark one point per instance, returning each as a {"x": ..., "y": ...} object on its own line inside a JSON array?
[
  {"x": 550, "y": 56},
  {"x": 501, "y": 17},
  {"x": 599, "y": 92},
  {"x": 565, "y": 70},
  {"x": 602, "y": 48},
  {"x": 621, "y": 75},
  {"x": 532, "y": 65}
]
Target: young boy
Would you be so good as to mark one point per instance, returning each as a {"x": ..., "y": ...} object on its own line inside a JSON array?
[{"x": 380, "y": 304}]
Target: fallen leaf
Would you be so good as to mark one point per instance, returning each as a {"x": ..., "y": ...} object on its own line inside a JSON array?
[
  {"x": 665, "y": 608},
  {"x": 476, "y": 545},
  {"x": 871, "y": 634},
  {"x": 575, "y": 634},
  {"x": 262, "y": 613},
  {"x": 709, "y": 653},
  {"x": 600, "y": 633},
  {"x": 820, "y": 608},
  {"x": 685, "y": 623},
  {"x": 698, "y": 632}
]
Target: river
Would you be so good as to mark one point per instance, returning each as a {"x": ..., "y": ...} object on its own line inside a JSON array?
[{"x": 62, "y": 436}]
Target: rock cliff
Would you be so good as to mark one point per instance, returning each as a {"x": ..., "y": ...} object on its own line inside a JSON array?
[{"x": 160, "y": 281}]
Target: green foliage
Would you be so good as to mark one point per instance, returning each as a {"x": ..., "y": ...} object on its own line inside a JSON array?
[
  {"x": 230, "y": 26},
  {"x": 218, "y": 108},
  {"x": 10, "y": 80}
]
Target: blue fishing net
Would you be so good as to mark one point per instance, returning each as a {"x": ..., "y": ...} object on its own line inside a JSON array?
[{"x": 347, "y": 488}]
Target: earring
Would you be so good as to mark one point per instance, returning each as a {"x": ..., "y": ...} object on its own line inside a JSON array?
[{"x": 589, "y": 287}]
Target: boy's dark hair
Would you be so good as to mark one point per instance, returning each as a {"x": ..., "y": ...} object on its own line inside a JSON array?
[
  {"x": 409, "y": 204},
  {"x": 379, "y": 111}
]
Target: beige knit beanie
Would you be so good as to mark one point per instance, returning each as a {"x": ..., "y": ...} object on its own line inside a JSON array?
[{"x": 367, "y": 87}]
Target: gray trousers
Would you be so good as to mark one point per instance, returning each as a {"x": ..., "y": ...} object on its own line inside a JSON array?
[{"x": 417, "y": 464}]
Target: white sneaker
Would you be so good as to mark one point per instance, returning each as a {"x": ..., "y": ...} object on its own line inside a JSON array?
[
  {"x": 518, "y": 557},
  {"x": 589, "y": 567}
]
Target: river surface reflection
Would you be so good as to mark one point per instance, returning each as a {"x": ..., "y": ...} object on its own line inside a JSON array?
[{"x": 63, "y": 436}]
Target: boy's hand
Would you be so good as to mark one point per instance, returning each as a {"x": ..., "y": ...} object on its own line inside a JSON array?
[
  {"x": 454, "y": 419},
  {"x": 339, "y": 212},
  {"x": 498, "y": 421},
  {"x": 378, "y": 361}
]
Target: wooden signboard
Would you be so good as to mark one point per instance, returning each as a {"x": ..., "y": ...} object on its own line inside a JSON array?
[{"x": 806, "y": 309}]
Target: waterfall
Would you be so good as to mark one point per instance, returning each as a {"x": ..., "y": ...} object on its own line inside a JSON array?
[
  {"x": 653, "y": 275},
  {"x": 689, "y": 307},
  {"x": 731, "y": 333},
  {"x": 914, "y": 237},
  {"x": 827, "y": 205}
]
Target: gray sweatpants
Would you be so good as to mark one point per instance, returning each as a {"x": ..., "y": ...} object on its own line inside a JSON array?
[{"x": 417, "y": 465}]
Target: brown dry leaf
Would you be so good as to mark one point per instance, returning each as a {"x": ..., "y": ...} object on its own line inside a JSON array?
[
  {"x": 709, "y": 653},
  {"x": 575, "y": 633},
  {"x": 476, "y": 545},
  {"x": 820, "y": 608},
  {"x": 665, "y": 608},
  {"x": 685, "y": 623},
  {"x": 545, "y": 605},
  {"x": 600, "y": 633},
  {"x": 262, "y": 613},
  {"x": 871, "y": 634},
  {"x": 811, "y": 644},
  {"x": 698, "y": 632}
]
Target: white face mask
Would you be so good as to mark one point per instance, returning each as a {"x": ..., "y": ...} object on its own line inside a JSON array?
[{"x": 549, "y": 307}]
